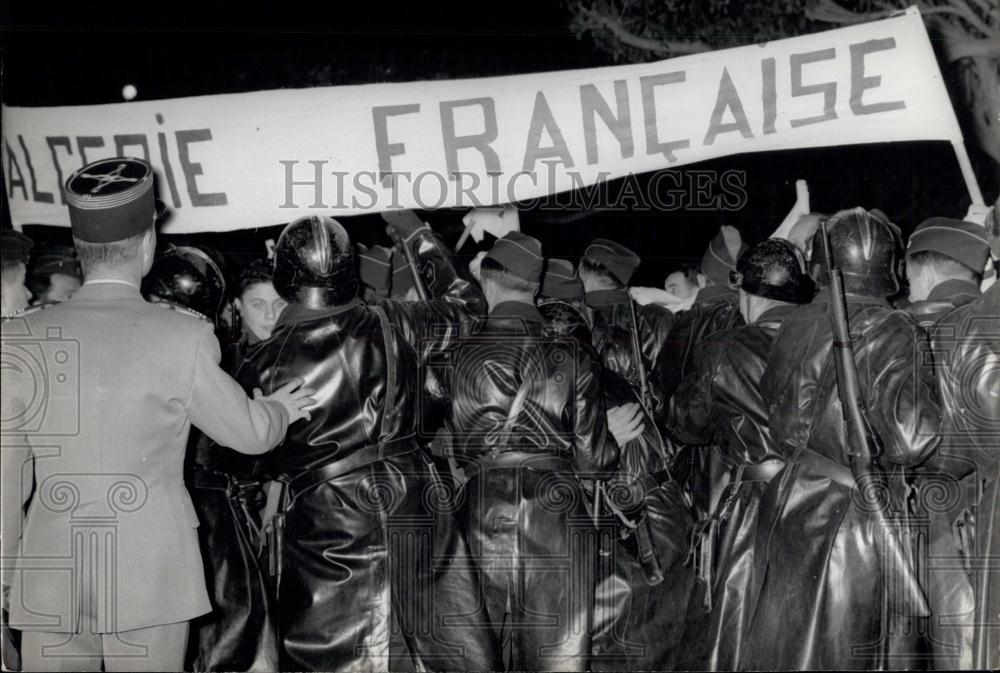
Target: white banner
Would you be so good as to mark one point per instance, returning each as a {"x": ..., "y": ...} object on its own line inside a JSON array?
[{"x": 244, "y": 160}]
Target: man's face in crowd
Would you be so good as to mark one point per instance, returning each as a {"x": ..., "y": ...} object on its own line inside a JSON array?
[
  {"x": 61, "y": 287},
  {"x": 260, "y": 306},
  {"x": 14, "y": 296},
  {"x": 678, "y": 285}
]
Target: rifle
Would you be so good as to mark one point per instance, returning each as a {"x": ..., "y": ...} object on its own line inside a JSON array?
[
  {"x": 865, "y": 448},
  {"x": 647, "y": 397}
]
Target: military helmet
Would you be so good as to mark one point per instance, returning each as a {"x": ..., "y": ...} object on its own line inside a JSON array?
[
  {"x": 314, "y": 264},
  {"x": 867, "y": 248},
  {"x": 188, "y": 277},
  {"x": 774, "y": 269}
]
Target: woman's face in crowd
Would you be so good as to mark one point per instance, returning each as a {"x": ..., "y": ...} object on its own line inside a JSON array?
[{"x": 260, "y": 307}]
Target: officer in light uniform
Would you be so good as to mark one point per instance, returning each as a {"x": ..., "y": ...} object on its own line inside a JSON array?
[{"x": 105, "y": 567}]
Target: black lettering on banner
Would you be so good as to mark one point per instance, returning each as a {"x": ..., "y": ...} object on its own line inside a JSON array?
[
  {"x": 860, "y": 83},
  {"x": 542, "y": 119},
  {"x": 648, "y": 86},
  {"x": 477, "y": 141},
  {"x": 37, "y": 196},
  {"x": 83, "y": 142},
  {"x": 727, "y": 99},
  {"x": 828, "y": 89},
  {"x": 13, "y": 182},
  {"x": 131, "y": 140},
  {"x": 192, "y": 170},
  {"x": 53, "y": 142},
  {"x": 592, "y": 103},
  {"x": 386, "y": 150},
  {"x": 768, "y": 95},
  {"x": 168, "y": 170},
  {"x": 316, "y": 182}
]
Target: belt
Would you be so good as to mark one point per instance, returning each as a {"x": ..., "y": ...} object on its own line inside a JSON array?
[
  {"x": 826, "y": 467},
  {"x": 535, "y": 461},
  {"x": 762, "y": 471},
  {"x": 303, "y": 481}
]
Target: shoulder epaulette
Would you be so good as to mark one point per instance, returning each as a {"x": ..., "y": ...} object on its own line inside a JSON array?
[{"x": 181, "y": 309}]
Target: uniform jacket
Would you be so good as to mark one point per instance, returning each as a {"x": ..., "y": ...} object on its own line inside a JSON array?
[
  {"x": 121, "y": 382},
  {"x": 612, "y": 335},
  {"x": 523, "y": 508},
  {"x": 343, "y": 585},
  {"x": 816, "y": 546},
  {"x": 720, "y": 402},
  {"x": 964, "y": 331},
  {"x": 715, "y": 309}
]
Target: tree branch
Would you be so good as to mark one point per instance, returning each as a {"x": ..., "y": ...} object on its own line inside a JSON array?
[{"x": 597, "y": 21}]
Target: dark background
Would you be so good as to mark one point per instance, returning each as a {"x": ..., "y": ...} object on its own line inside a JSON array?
[{"x": 56, "y": 53}]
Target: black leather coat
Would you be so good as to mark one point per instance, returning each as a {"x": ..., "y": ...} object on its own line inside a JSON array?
[
  {"x": 719, "y": 402},
  {"x": 818, "y": 564},
  {"x": 611, "y": 320},
  {"x": 638, "y": 625},
  {"x": 532, "y": 539},
  {"x": 227, "y": 493},
  {"x": 964, "y": 331},
  {"x": 373, "y": 569}
]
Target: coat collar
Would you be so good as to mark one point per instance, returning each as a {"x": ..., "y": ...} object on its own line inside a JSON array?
[
  {"x": 516, "y": 309},
  {"x": 104, "y": 290},
  {"x": 953, "y": 288},
  {"x": 297, "y": 313},
  {"x": 602, "y": 298},
  {"x": 713, "y": 293}
]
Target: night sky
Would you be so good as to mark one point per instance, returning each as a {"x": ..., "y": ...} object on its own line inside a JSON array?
[{"x": 84, "y": 52}]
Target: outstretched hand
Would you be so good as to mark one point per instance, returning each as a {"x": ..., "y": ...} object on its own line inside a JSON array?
[
  {"x": 625, "y": 422},
  {"x": 293, "y": 397}
]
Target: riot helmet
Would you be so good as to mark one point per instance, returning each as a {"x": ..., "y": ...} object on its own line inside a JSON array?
[
  {"x": 188, "y": 277},
  {"x": 314, "y": 264},
  {"x": 867, "y": 248}
]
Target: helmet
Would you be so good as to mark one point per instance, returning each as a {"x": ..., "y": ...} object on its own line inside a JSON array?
[
  {"x": 189, "y": 277},
  {"x": 314, "y": 264},
  {"x": 774, "y": 269},
  {"x": 867, "y": 248}
]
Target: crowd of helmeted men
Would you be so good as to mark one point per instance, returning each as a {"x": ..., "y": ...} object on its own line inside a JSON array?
[{"x": 526, "y": 464}]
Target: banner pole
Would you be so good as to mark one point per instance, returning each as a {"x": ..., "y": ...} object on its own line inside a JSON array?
[{"x": 970, "y": 178}]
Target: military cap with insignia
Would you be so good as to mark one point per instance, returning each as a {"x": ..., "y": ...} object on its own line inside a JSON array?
[
  {"x": 964, "y": 242},
  {"x": 615, "y": 257},
  {"x": 560, "y": 280},
  {"x": 519, "y": 254},
  {"x": 16, "y": 247},
  {"x": 111, "y": 200}
]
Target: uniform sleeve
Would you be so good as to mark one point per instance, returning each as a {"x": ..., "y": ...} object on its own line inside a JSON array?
[
  {"x": 690, "y": 409},
  {"x": 218, "y": 406},
  {"x": 902, "y": 397},
  {"x": 595, "y": 451},
  {"x": 433, "y": 326},
  {"x": 16, "y": 470}
]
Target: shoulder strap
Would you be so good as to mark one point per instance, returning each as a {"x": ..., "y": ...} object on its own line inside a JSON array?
[{"x": 389, "y": 337}]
